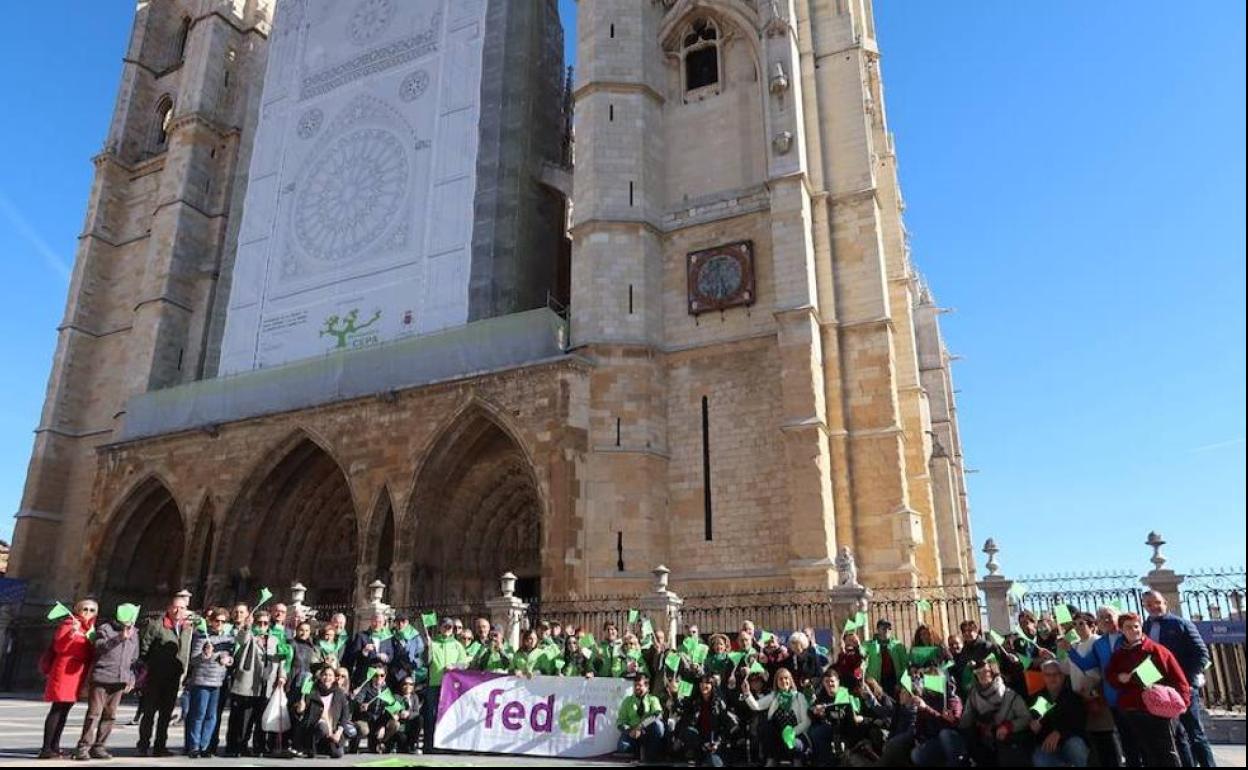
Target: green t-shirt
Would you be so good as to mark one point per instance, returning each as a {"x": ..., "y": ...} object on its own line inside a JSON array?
[{"x": 634, "y": 711}]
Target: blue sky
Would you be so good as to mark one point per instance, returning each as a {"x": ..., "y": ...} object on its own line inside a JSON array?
[{"x": 1075, "y": 180}]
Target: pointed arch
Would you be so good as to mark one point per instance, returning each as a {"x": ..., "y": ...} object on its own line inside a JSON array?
[
  {"x": 140, "y": 556},
  {"x": 380, "y": 543},
  {"x": 199, "y": 550},
  {"x": 474, "y": 477},
  {"x": 295, "y": 518}
]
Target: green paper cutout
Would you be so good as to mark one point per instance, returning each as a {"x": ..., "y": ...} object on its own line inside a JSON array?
[
  {"x": 684, "y": 689},
  {"x": 789, "y": 736},
  {"x": 1061, "y": 613},
  {"x": 924, "y": 656},
  {"x": 588, "y": 642},
  {"x": 1118, "y": 605},
  {"x": 1148, "y": 673},
  {"x": 765, "y": 637},
  {"x": 394, "y": 708},
  {"x": 924, "y": 605},
  {"x": 757, "y": 668},
  {"x": 842, "y": 697},
  {"x": 737, "y": 657},
  {"x": 907, "y": 682},
  {"x": 1024, "y": 661},
  {"x": 306, "y": 689},
  {"x": 1042, "y": 706},
  {"x": 672, "y": 661},
  {"x": 127, "y": 614},
  {"x": 429, "y": 619},
  {"x": 996, "y": 638},
  {"x": 647, "y": 628},
  {"x": 633, "y": 616},
  {"x": 934, "y": 682},
  {"x": 860, "y": 620},
  {"x": 385, "y": 696},
  {"x": 1072, "y": 637},
  {"x": 698, "y": 656},
  {"x": 265, "y": 595},
  {"x": 850, "y": 625},
  {"x": 58, "y": 612}
]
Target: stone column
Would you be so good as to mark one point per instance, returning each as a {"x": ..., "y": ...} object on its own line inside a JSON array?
[
  {"x": 1163, "y": 581},
  {"x": 662, "y": 606},
  {"x": 996, "y": 592},
  {"x": 508, "y": 612}
]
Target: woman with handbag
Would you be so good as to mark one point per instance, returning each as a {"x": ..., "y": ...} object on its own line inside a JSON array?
[
  {"x": 66, "y": 664},
  {"x": 1150, "y": 709}
]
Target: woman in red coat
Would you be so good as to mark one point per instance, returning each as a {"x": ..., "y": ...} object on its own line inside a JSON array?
[
  {"x": 1153, "y": 735},
  {"x": 71, "y": 659}
]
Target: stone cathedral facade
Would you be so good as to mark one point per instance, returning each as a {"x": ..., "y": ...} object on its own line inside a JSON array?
[{"x": 357, "y": 297}]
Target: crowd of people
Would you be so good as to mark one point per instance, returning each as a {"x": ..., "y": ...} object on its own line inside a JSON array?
[{"x": 1069, "y": 689}]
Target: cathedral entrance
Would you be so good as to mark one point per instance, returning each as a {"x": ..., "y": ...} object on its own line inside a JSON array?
[
  {"x": 140, "y": 557},
  {"x": 476, "y": 513},
  {"x": 298, "y": 523}
]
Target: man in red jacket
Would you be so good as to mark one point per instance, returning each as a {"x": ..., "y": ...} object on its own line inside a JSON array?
[{"x": 1153, "y": 734}]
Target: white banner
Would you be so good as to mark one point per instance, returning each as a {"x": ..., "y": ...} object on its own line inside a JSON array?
[{"x": 546, "y": 716}]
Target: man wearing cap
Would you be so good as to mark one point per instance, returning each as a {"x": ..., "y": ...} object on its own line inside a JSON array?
[
  {"x": 886, "y": 657},
  {"x": 445, "y": 654},
  {"x": 165, "y": 651}
]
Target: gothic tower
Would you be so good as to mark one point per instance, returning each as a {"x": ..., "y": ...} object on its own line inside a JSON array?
[
  {"x": 159, "y": 232},
  {"x": 766, "y": 362}
]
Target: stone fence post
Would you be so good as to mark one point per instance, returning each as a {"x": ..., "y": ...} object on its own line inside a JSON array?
[
  {"x": 507, "y": 611},
  {"x": 996, "y": 592},
  {"x": 1163, "y": 581},
  {"x": 366, "y": 610},
  {"x": 662, "y": 606}
]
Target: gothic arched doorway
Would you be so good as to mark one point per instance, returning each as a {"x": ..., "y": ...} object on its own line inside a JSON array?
[
  {"x": 141, "y": 554},
  {"x": 476, "y": 513},
  {"x": 298, "y": 523}
]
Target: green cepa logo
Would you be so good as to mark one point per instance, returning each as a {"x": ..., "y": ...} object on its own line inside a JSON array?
[{"x": 348, "y": 331}]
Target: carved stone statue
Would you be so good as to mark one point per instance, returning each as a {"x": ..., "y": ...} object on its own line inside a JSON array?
[{"x": 846, "y": 569}]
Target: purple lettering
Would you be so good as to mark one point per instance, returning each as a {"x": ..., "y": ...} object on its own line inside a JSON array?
[
  {"x": 546, "y": 708},
  {"x": 491, "y": 705},
  {"x": 513, "y": 715},
  {"x": 594, "y": 713}
]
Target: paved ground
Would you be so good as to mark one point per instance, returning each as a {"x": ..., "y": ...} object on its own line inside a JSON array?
[{"x": 21, "y": 731}]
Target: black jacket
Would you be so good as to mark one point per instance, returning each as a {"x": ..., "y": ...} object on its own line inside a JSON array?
[
  {"x": 313, "y": 709},
  {"x": 723, "y": 721},
  {"x": 1069, "y": 715}
]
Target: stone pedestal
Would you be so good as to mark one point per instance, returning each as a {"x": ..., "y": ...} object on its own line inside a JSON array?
[
  {"x": 662, "y": 606},
  {"x": 997, "y": 594},
  {"x": 1164, "y": 581},
  {"x": 364, "y": 611},
  {"x": 847, "y": 601},
  {"x": 508, "y": 612}
]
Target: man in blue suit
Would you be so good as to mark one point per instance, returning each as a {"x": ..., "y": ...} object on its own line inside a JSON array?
[{"x": 1179, "y": 635}]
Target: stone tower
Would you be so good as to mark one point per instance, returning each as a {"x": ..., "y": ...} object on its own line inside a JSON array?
[
  {"x": 160, "y": 229},
  {"x": 742, "y": 280}
]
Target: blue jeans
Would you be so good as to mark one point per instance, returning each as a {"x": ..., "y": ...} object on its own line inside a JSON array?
[
  {"x": 201, "y": 716},
  {"x": 649, "y": 744},
  {"x": 1194, "y": 750},
  {"x": 1072, "y": 752},
  {"x": 947, "y": 749}
]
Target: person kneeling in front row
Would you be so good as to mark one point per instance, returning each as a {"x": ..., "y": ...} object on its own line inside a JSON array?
[
  {"x": 641, "y": 722},
  {"x": 321, "y": 717}
]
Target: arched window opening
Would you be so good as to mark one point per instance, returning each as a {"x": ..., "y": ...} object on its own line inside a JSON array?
[
  {"x": 164, "y": 116},
  {"x": 700, "y": 52}
]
